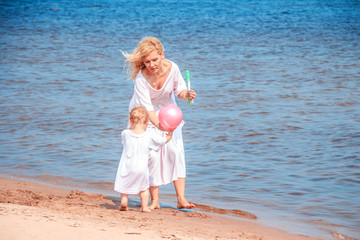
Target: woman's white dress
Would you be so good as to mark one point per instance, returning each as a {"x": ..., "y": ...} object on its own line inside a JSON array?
[
  {"x": 132, "y": 175},
  {"x": 168, "y": 164}
]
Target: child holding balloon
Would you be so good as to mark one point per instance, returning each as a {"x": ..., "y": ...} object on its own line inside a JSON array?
[{"x": 133, "y": 173}]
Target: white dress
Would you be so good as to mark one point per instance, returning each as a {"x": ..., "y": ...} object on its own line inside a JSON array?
[
  {"x": 132, "y": 175},
  {"x": 168, "y": 164}
]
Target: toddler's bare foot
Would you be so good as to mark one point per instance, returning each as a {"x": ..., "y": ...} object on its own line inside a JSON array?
[
  {"x": 154, "y": 205},
  {"x": 145, "y": 210},
  {"x": 123, "y": 207},
  {"x": 185, "y": 204}
]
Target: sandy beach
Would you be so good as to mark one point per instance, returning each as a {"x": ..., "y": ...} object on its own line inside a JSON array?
[{"x": 34, "y": 211}]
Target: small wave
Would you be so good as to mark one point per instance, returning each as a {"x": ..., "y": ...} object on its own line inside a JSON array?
[
  {"x": 101, "y": 184},
  {"x": 294, "y": 128},
  {"x": 345, "y": 104},
  {"x": 23, "y": 167},
  {"x": 254, "y": 135},
  {"x": 296, "y": 193},
  {"x": 220, "y": 139},
  {"x": 233, "y": 212}
]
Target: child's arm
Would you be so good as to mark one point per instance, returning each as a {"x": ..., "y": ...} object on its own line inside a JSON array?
[{"x": 169, "y": 136}]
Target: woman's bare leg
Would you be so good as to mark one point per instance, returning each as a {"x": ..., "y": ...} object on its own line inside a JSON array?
[
  {"x": 124, "y": 202},
  {"x": 154, "y": 192},
  {"x": 180, "y": 193},
  {"x": 144, "y": 197}
]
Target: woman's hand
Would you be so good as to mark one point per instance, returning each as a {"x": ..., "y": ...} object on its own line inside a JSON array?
[
  {"x": 185, "y": 95},
  {"x": 161, "y": 127},
  {"x": 192, "y": 95}
]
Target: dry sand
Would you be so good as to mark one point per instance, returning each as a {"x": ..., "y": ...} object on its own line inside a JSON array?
[{"x": 34, "y": 211}]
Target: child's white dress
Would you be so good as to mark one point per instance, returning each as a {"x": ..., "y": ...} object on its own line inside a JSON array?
[
  {"x": 168, "y": 164},
  {"x": 132, "y": 175}
]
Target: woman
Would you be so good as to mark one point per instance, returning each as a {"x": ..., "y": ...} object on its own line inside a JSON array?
[{"x": 157, "y": 82}]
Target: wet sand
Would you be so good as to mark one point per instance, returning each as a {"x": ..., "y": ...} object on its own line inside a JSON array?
[{"x": 34, "y": 211}]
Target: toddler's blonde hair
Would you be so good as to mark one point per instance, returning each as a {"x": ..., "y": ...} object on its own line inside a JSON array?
[{"x": 139, "y": 114}]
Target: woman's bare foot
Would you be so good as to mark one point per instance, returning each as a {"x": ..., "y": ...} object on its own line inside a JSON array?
[
  {"x": 154, "y": 205},
  {"x": 180, "y": 191},
  {"x": 145, "y": 210},
  {"x": 185, "y": 204}
]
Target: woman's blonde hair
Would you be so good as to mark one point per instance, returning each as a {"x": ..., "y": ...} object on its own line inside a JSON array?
[
  {"x": 139, "y": 114},
  {"x": 144, "y": 48}
]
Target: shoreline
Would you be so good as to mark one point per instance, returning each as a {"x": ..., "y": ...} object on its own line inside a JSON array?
[{"x": 31, "y": 210}]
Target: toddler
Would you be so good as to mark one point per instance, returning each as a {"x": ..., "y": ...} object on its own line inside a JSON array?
[{"x": 133, "y": 173}]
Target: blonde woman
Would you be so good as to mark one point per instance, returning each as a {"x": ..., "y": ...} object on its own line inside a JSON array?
[{"x": 157, "y": 82}]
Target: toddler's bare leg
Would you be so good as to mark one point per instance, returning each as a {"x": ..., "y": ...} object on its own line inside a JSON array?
[
  {"x": 154, "y": 191},
  {"x": 144, "y": 197},
  {"x": 124, "y": 202}
]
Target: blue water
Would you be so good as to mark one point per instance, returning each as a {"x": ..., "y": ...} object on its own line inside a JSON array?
[{"x": 275, "y": 128}]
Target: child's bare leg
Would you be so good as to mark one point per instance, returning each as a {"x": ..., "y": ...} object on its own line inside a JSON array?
[
  {"x": 124, "y": 202},
  {"x": 154, "y": 192},
  {"x": 144, "y": 197},
  {"x": 180, "y": 193}
]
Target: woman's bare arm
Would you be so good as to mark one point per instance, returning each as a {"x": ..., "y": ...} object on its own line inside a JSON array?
[{"x": 154, "y": 119}]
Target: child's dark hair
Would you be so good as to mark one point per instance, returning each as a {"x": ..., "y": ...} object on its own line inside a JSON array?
[{"x": 139, "y": 114}]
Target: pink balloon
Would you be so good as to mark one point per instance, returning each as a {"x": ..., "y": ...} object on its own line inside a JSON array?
[{"x": 170, "y": 116}]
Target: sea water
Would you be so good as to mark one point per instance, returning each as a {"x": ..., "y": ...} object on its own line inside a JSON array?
[{"x": 275, "y": 127}]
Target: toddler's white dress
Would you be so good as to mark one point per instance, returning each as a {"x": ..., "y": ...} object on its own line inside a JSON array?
[
  {"x": 132, "y": 175},
  {"x": 168, "y": 164}
]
